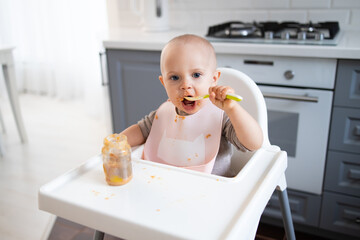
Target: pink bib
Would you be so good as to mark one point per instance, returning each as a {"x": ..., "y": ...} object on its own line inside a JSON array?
[{"x": 190, "y": 142}]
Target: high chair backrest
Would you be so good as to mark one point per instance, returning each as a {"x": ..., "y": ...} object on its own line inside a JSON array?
[{"x": 253, "y": 100}]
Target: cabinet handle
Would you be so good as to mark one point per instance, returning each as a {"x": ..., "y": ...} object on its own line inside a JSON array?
[
  {"x": 291, "y": 97},
  {"x": 357, "y": 130},
  {"x": 101, "y": 54},
  {"x": 257, "y": 62},
  {"x": 354, "y": 174},
  {"x": 351, "y": 215}
]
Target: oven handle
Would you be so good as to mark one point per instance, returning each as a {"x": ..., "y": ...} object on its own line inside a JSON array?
[{"x": 291, "y": 97}]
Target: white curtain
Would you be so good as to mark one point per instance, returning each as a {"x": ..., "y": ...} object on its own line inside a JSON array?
[{"x": 57, "y": 46}]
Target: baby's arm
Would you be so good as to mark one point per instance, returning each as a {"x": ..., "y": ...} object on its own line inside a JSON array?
[
  {"x": 134, "y": 135},
  {"x": 246, "y": 128}
]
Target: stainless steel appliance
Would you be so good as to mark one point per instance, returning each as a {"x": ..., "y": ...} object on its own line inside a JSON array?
[
  {"x": 322, "y": 33},
  {"x": 298, "y": 93}
]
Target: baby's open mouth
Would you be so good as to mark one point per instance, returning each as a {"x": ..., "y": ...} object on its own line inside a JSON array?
[{"x": 188, "y": 102}]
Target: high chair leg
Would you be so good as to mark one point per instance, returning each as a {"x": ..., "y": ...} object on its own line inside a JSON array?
[
  {"x": 98, "y": 235},
  {"x": 286, "y": 214}
]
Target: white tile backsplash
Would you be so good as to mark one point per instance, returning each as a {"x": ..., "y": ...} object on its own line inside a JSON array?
[
  {"x": 273, "y": 4},
  {"x": 346, "y": 4},
  {"x": 286, "y": 15},
  {"x": 253, "y": 15},
  {"x": 209, "y": 4},
  {"x": 186, "y": 20},
  {"x": 343, "y": 16},
  {"x": 310, "y": 4},
  {"x": 355, "y": 18},
  {"x": 199, "y": 14}
]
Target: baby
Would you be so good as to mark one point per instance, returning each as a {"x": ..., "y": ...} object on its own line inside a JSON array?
[{"x": 194, "y": 134}]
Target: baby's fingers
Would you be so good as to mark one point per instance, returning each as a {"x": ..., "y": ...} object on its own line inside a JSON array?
[{"x": 221, "y": 92}]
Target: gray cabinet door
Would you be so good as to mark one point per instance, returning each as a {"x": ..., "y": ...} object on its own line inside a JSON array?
[
  {"x": 341, "y": 214},
  {"x": 347, "y": 90},
  {"x": 135, "y": 88},
  {"x": 343, "y": 173},
  {"x": 305, "y": 208},
  {"x": 345, "y": 130}
]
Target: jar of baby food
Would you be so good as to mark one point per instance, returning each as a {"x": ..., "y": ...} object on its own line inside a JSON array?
[{"x": 116, "y": 154}]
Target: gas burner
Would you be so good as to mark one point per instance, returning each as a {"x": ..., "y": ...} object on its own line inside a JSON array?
[
  {"x": 322, "y": 33},
  {"x": 235, "y": 30}
]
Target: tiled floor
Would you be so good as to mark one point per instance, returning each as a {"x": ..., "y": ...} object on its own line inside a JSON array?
[{"x": 66, "y": 230}]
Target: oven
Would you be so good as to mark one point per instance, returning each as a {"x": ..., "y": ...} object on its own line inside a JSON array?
[
  {"x": 298, "y": 94},
  {"x": 298, "y": 121}
]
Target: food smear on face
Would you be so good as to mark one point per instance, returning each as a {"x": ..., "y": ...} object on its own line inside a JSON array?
[{"x": 207, "y": 136}]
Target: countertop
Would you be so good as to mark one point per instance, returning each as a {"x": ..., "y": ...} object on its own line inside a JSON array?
[{"x": 348, "y": 46}]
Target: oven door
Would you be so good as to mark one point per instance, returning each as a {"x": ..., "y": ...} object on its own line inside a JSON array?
[{"x": 299, "y": 122}]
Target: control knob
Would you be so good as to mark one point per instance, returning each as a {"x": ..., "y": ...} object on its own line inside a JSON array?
[
  {"x": 269, "y": 35},
  {"x": 301, "y": 36},
  {"x": 285, "y": 35},
  {"x": 319, "y": 36},
  {"x": 289, "y": 74}
]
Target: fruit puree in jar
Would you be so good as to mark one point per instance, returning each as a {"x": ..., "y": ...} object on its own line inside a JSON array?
[{"x": 116, "y": 154}]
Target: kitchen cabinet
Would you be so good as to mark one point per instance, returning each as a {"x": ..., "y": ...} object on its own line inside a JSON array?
[
  {"x": 341, "y": 199},
  {"x": 305, "y": 208},
  {"x": 135, "y": 88}
]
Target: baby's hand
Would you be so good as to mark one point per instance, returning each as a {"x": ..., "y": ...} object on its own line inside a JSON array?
[{"x": 217, "y": 95}]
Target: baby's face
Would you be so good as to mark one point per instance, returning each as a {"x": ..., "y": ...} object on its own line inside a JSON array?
[{"x": 188, "y": 70}]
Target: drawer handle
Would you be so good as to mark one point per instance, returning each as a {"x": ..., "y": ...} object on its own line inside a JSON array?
[
  {"x": 351, "y": 215},
  {"x": 256, "y": 62},
  {"x": 354, "y": 174},
  {"x": 291, "y": 97},
  {"x": 357, "y": 130}
]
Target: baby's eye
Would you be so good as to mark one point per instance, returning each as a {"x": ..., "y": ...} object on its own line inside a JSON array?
[
  {"x": 196, "y": 75},
  {"x": 175, "y": 78}
]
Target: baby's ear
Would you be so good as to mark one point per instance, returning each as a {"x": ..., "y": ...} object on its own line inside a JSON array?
[
  {"x": 161, "y": 80},
  {"x": 216, "y": 76}
]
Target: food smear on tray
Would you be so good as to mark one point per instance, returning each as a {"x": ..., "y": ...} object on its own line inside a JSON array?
[{"x": 116, "y": 154}]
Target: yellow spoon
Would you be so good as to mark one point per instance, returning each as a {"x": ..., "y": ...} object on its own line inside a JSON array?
[{"x": 231, "y": 96}]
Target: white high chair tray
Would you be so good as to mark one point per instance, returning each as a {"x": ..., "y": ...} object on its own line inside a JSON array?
[{"x": 165, "y": 202}]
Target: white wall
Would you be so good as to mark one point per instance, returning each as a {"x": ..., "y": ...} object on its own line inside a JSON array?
[{"x": 199, "y": 14}]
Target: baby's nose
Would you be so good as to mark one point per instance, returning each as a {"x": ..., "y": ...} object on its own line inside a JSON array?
[{"x": 186, "y": 84}]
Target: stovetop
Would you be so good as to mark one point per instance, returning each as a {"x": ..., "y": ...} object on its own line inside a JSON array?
[{"x": 321, "y": 33}]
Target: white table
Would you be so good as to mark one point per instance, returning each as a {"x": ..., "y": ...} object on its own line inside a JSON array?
[
  {"x": 7, "y": 62},
  {"x": 165, "y": 202}
]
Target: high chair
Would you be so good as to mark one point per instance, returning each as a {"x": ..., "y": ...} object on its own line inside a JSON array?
[
  {"x": 166, "y": 202},
  {"x": 254, "y": 104}
]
